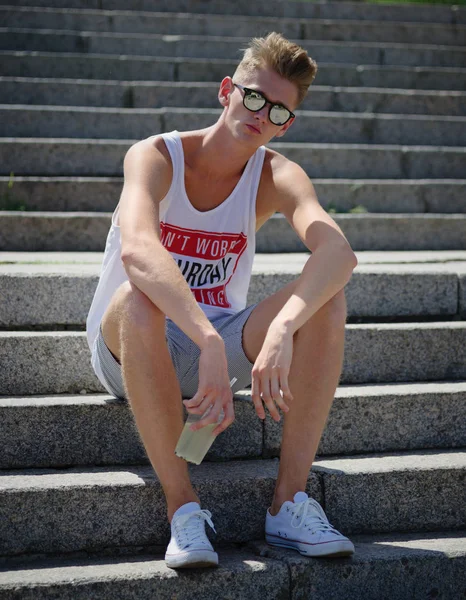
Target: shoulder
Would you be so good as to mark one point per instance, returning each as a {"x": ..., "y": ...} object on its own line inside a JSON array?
[
  {"x": 148, "y": 163},
  {"x": 283, "y": 179}
]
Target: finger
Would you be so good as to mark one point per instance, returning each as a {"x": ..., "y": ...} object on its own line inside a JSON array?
[
  {"x": 200, "y": 408},
  {"x": 256, "y": 395},
  {"x": 284, "y": 385},
  {"x": 228, "y": 419},
  {"x": 196, "y": 399},
  {"x": 267, "y": 397},
  {"x": 275, "y": 391},
  {"x": 211, "y": 417}
]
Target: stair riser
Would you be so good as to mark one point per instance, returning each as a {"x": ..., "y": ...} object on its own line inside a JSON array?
[
  {"x": 220, "y": 25},
  {"x": 327, "y": 128},
  {"x": 103, "y": 432},
  {"x": 204, "y": 95},
  {"x": 378, "y": 571},
  {"x": 199, "y": 47},
  {"x": 58, "y": 300},
  {"x": 166, "y": 69},
  {"x": 59, "y": 362},
  {"x": 25, "y": 232},
  {"x": 102, "y": 194},
  {"x": 68, "y": 518},
  {"x": 277, "y": 8},
  {"x": 105, "y": 158}
]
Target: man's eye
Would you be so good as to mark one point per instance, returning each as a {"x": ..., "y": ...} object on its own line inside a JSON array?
[{"x": 256, "y": 96}]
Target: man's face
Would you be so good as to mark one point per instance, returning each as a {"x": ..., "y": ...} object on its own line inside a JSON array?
[{"x": 256, "y": 126}]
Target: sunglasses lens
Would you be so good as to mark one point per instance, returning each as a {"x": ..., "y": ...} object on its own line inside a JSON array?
[
  {"x": 279, "y": 115},
  {"x": 254, "y": 101}
]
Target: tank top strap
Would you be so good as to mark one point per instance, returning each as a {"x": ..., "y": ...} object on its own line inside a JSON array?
[{"x": 175, "y": 148}]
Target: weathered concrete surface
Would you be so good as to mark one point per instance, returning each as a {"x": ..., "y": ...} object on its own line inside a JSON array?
[
  {"x": 59, "y": 362},
  {"x": 61, "y": 294},
  {"x": 44, "y": 156},
  {"x": 419, "y": 491},
  {"x": 193, "y": 46},
  {"x": 241, "y": 574},
  {"x": 314, "y": 126},
  {"x": 231, "y": 25},
  {"x": 131, "y": 68},
  {"x": 101, "y": 194},
  {"x": 383, "y": 568},
  {"x": 87, "y": 231},
  {"x": 160, "y": 94},
  {"x": 277, "y": 8},
  {"x": 387, "y": 417},
  {"x": 99, "y": 430},
  {"x": 91, "y": 509}
]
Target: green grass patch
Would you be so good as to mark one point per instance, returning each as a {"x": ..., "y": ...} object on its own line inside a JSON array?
[{"x": 9, "y": 200}]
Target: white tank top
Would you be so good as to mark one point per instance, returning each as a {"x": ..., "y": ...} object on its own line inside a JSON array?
[{"x": 214, "y": 249}]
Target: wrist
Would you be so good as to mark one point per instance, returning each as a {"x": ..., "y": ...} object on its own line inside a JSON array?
[
  {"x": 210, "y": 338},
  {"x": 285, "y": 327}
]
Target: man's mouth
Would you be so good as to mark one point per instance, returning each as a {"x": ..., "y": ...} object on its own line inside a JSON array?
[{"x": 254, "y": 128}]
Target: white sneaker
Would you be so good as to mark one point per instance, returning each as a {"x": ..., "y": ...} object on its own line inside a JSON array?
[
  {"x": 189, "y": 545},
  {"x": 303, "y": 526}
]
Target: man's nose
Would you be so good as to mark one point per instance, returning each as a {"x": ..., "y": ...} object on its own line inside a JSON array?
[{"x": 263, "y": 113}]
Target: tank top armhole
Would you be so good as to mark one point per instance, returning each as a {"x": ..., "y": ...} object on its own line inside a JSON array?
[
  {"x": 173, "y": 144},
  {"x": 258, "y": 167},
  {"x": 170, "y": 140}
]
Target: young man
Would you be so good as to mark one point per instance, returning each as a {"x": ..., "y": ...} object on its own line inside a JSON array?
[{"x": 169, "y": 317}]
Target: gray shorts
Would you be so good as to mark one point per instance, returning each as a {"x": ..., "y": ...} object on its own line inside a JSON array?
[{"x": 185, "y": 355}]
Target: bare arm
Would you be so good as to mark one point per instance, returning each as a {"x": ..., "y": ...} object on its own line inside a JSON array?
[
  {"x": 331, "y": 264},
  {"x": 151, "y": 268},
  {"x": 326, "y": 272},
  {"x": 148, "y": 264}
]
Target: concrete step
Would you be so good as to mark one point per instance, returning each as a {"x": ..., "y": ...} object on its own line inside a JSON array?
[
  {"x": 70, "y": 231},
  {"x": 241, "y": 575},
  {"x": 50, "y": 294},
  {"x": 231, "y": 25},
  {"x": 375, "y": 195},
  {"x": 277, "y": 8},
  {"x": 160, "y": 94},
  {"x": 123, "y": 68},
  {"x": 139, "y": 44},
  {"x": 311, "y": 127},
  {"x": 405, "y": 567},
  {"x": 99, "y": 430},
  {"x": 45, "y": 511},
  {"x": 431, "y": 564},
  {"x": 68, "y": 156},
  {"x": 56, "y": 362}
]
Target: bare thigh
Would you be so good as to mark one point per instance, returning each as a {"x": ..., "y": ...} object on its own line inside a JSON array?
[
  {"x": 256, "y": 326},
  {"x": 128, "y": 302}
]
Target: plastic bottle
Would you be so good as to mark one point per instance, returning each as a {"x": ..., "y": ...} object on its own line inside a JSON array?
[{"x": 193, "y": 445}]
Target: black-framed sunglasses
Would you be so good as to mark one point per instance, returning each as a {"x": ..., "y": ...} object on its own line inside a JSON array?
[{"x": 255, "y": 101}]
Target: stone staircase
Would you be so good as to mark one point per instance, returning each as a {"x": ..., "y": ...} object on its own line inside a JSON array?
[{"x": 383, "y": 137}]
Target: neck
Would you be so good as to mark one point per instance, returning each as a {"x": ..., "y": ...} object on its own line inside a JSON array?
[{"x": 219, "y": 154}]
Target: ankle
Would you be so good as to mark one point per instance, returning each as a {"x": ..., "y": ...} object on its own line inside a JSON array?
[{"x": 174, "y": 504}]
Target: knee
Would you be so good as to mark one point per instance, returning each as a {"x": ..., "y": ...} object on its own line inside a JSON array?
[
  {"x": 332, "y": 315},
  {"x": 136, "y": 309}
]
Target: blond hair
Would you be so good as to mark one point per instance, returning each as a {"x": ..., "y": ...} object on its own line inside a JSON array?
[{"x": 286, "y": 58}]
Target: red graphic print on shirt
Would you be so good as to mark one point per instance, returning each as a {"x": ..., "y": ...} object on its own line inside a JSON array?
[{"x": 207, "y": 260}]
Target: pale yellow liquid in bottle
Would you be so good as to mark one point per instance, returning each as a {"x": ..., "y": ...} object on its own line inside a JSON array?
[{"x": 193, "y": 445}]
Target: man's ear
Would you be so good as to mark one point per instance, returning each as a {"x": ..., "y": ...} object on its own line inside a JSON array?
[
  {"x": 226, "y": 88},
  {"x": 285, "y": 128}
]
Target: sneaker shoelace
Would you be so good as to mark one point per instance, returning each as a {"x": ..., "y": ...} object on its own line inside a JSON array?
[
  {"x": 189, "y": 528},
  {"x": 315, "y": 521}
]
